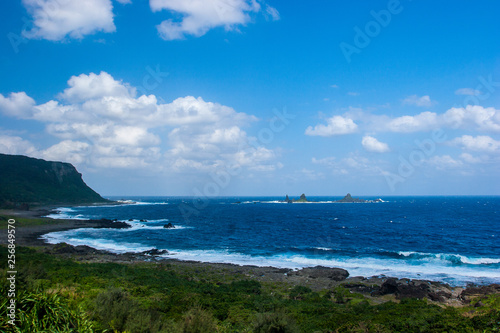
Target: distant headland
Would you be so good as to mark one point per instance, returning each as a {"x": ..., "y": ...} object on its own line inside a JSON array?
[
  {"x": 347, "y": 199},
  {"x": 27, "y": 182}
]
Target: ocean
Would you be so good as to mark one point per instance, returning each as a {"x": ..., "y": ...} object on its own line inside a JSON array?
[{"x": 449, "y": 239}]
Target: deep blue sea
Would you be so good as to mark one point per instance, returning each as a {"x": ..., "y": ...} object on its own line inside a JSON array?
[{"x": 450, "y": 239}]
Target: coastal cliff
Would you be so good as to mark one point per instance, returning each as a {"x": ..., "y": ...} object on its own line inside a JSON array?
[{"x": 27, "y": 181}]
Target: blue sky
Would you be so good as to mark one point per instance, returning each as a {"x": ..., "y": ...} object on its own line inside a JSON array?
[{"x": 247, "y": 97}]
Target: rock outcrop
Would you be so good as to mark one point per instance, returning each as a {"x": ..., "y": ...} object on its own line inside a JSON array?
[
  {"x": 349, "y": 198},
  {"x": 301, "y": 199}
]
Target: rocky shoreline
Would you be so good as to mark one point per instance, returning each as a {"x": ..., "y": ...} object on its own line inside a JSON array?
[{"x": 377, "y": 288}]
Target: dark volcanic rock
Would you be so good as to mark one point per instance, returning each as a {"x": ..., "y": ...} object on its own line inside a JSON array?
[
  {"x": 105, "y": 223},
  {"x": 389, "y": 287},
  {"x": 155, "y": 252},
  {"x": 405, "y": 288},
  {"x": 336, "y": 274},
  {"x": 411, "y": 290},
  {"x": 439, "y": 296},
  {"x": 169, "y": 226},
  {"x": 472, "y": 291}
]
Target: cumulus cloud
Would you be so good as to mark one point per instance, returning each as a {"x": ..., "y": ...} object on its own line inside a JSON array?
[
  {"x": 74, "y": 152},
  {"x": 336, "y": 125},
  {"x": 18, "y": 105},
  {"x": 479, "y": 143},
  {"x": 55, "y": 20},
  {"x": 199, "y": 16},
  {"x": 102, "y": 122},
  {"x": 84, "y": 87},
  {"x": 467, "y": 92},
  {"x": 423, "y": 101},
  {"x": 473, "y": 116},
  {"x": 424, "y": 121},
  {"x": 16, "y": 145},
  {"x": 371, "y": 144}
]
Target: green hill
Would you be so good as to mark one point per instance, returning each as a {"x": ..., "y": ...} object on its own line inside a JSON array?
[{"x": 30, "y": 181}]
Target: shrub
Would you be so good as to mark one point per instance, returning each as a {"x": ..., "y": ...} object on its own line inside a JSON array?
[
  {"x": 299, "y": 291},
  {"x": 112, "y": 308},
  {"x": 198, "y": 320},
  {"x": 275, "y": 322},
  {"x": 341, "y": 293}
]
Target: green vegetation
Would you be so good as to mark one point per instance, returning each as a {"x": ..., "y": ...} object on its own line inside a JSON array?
[
  {"x": 29, "y": 181},
  {"x": 22, "y": 222},
  {"x": 61, "y": 295}
]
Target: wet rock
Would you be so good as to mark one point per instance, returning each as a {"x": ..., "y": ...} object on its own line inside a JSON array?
[
  {"x": 155, "y": 252},
  {"x": 106, "y": 223},
  {"x": 169, "y": 226}
]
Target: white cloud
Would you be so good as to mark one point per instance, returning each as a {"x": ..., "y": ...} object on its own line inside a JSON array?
[
  {"x": 445, "y": 162},
  {"x": 16, "y": 145},
  {"x": 55, "y": 19},
  {"x": 17, "y": 104},
  {"x": 74, "y": 152},
  {"x": 468, "y": 158},
  {"x": 353, "y": 93},
  {"x": 273, "y": 13},
  {"x": 478, "y": 117},
  {"x": 336, "y": 125},
  {"x": 353, "y": 164},
  {"x": 424, "y": 121},
  {"x": 467, "y": 92},
  {"x": 371, "y": 144},
  {"x": 102, "y": 123},
  {"x": 199, "y": 16},
  {"x": 480, "y": 143},
  {"x": 423, "y": 101},
  {"x": 92, "y": 86},
  {"x": 471, "y": 117}
]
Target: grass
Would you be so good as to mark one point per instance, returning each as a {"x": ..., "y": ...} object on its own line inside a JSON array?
[
  {"x": 25, "y": 222},
  {"x": 62, "y": 295}
]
